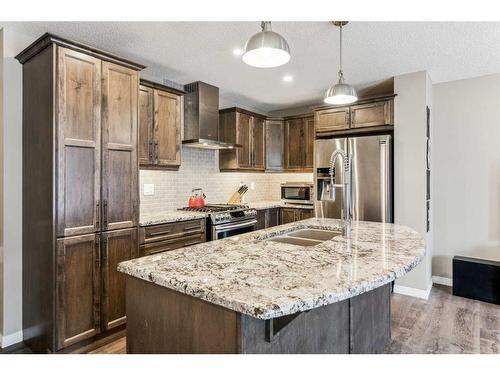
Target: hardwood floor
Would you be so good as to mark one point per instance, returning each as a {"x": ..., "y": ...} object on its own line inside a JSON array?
[{"x": 444, "y": 324}]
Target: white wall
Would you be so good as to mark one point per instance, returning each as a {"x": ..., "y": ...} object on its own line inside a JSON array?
[
  {"x": 12, "y": 186},
  {"x": 466, "y": 179},
  {"x": 1, "y": 185},
  {"x": 409, "y": 168}
]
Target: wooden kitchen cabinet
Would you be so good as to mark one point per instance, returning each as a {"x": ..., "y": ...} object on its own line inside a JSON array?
[
  {"x": 275, "y": 144},
  {"x": 77, "y": 289},
  {"x": 267, "y": 218},
  {"x": 120, "y": 198},
  {"x": 299, "y": 143},
  {"x": 170, "y": 236},
  {"x": 367, "y": 113},
  {"x": 247, "y": 129},
  {"x": 80, "y": 180},
  {"x": 290, "y": 215},
  {"x": 377, "y": 113},
  {"x": 331, "y": 119},
  {"x": 117, "y": 246},
  {"x": 160, "y": 124}
]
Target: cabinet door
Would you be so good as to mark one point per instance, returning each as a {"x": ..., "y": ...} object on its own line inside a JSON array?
[
  {"x": 77, "y": 289},
  {"x": 294, "y": 152},
  {"x": 243, "y": 137},
  {"x": 78, "y": 143},
  {"x": 328, "y": 120},
  {"x": 372, "y": 114},
  {"x": 274, "y": 145},
  {"x": 305, "y": 214},
  {"x": 288, "y": 215},
  {"x": 258, "y": 143},
  {"x": 119, "y": 132},
  {"x": 117, "y": 246},
  {"x": 146, "y": 119},
  {"x": 261, "y": 219},
  {"x": 273, "y": 217},
  {"x": 167, "y": 128},
  {"x": 308, "y": 143}
]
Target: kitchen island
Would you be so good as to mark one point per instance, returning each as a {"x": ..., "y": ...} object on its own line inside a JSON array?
[{"x": 250, "y": 294}]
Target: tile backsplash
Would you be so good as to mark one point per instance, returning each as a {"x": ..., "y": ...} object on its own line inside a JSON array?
[{"x": 200, "y": 169}]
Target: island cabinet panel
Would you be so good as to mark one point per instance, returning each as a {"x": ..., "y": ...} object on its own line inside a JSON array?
[
  {"x": 288, "y": 215},
  {"x": 274, "y": 217},
  {"x": 79, "y": 142},
  {"x": 370, "y": 321},
  {"x": 161, "y": 320},
  {"x": 119, "y": 157},
  {"x": 262, "y": 218},
  {"x": 77, "y": 289},
  {"x": 267, "y": 218},
  {"x": 275, "y": 145},
  {"x": 117, "y": 246}
]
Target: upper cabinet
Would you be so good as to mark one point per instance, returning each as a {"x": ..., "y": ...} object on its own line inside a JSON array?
[
  {"x": 299, "y": 142},
  {"x": 246, "y": 129},
  {"x": 160, "y": 124},
  {"x": 367, "y": 113},
  {"x": 275, "y": 144}
]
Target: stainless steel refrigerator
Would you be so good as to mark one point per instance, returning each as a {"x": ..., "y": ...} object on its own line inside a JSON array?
[{"x": 371, "y": 177}]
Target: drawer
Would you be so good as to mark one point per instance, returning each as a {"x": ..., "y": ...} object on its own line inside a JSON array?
[
  {"x": 171, "y": 231},
  {"x": 171, "y": 244}
]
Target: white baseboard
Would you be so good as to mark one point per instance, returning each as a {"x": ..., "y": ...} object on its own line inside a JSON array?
[
  {"x": 413, "y": 292},
  {"x": 442, "y": 280},
  {"x": 11, "y": 339}
]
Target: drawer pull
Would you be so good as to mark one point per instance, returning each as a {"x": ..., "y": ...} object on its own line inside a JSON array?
[
  {"x": 191, "y": 228},
  {"x": 160, "y": 233}
]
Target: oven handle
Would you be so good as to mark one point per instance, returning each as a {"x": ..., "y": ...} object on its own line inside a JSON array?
[{"x": 225, "y": 227}]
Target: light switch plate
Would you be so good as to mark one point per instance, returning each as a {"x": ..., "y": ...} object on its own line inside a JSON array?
[{"x": 149, "y": 189}]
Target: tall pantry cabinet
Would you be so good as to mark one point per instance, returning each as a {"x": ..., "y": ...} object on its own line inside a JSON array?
[{"x": 80, "y": 190}]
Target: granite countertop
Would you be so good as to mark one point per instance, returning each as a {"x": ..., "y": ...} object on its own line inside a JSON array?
[
  {"x": 263, "y": 205},
  {"x": 168, "y": 216},
  {"x": 267, "y": 279},
  {"x": 173, "y": 215}
]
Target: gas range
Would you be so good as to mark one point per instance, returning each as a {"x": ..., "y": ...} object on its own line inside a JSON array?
[{"x": 225, "y": 220}]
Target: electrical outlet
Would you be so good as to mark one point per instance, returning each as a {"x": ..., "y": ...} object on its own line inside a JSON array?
[
  {"x": 252, "y": 185},
  {"x": 149, "y": 189}
]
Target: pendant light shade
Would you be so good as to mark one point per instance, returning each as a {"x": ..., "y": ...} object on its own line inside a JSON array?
[
  {"x": 266, "y": 49},
  {"x": 341, "y": 93}
]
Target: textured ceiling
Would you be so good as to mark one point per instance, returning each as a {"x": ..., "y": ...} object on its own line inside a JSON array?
[{"x": 373, "y": 51}]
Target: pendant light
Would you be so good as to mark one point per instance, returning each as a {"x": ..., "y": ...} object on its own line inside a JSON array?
[
  {"x": 266, "y": 49},
  {"x": 341, "y": 93}
]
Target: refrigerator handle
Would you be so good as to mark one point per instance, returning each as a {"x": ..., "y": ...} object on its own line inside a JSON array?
[{"x": 384, "y": 178}]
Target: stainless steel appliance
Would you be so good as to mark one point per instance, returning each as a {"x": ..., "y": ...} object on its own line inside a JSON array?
[
  {"x": 371, "y": 177},
  {"x": 297, "y": 193},
  {"x": 226, "y": 220},
  {"x": 201, "y": 117}
]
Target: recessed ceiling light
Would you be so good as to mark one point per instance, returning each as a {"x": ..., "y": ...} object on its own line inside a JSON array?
[
  {"x": 287, "y": 78},
  {"x": 238, "y": 52}
]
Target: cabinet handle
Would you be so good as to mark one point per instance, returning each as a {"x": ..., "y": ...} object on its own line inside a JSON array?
[
  {"x": 97, "y": 214},
  {"x": 159, "y": 233},
  {"x": 98, "y": 246},
  {"x": 156, "y": 152},
  {"x": 105, "y": 252},
  {"x": 353, "y": 117},
  {"x": 150, "y": 151},
  {"x": 347, "y": 118},
  {"x": 105, "y": 209},
  {"x": 191, "y": 228}
]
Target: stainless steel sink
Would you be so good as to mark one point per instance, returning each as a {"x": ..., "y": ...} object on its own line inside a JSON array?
[{"x": 306, "y": 237}]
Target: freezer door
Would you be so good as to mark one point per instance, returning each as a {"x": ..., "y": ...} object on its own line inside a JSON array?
[
  {"x": 323, "y": 149},
  {"x": 371, "y": 175}
]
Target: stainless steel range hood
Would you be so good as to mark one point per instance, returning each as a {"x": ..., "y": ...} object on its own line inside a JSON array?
[{"x": 201, "y": 117}]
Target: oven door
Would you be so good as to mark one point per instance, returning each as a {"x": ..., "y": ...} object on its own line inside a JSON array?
[{"x": 232, "y": 229}]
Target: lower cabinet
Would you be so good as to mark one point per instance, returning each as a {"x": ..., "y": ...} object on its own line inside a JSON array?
[
  {"x": 90, "y": 292},
  {"x": 267, "y": 218},
  {"x": 163, "y": 237},
  {"x": 289, "y": 215}
]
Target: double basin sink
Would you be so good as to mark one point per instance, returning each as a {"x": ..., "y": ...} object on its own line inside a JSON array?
[{"x": 306, "y": 237}]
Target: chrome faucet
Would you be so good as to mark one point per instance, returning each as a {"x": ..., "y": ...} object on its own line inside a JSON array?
[{"x": 347, "y": 211}]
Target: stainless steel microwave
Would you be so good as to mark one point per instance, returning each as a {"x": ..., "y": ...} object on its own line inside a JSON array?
[{"x": 297, "y": 192}]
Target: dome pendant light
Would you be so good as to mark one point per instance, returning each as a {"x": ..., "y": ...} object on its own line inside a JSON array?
[
  {"x": 266, "y": 49},
  {"x": 341, "y": 93}
]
